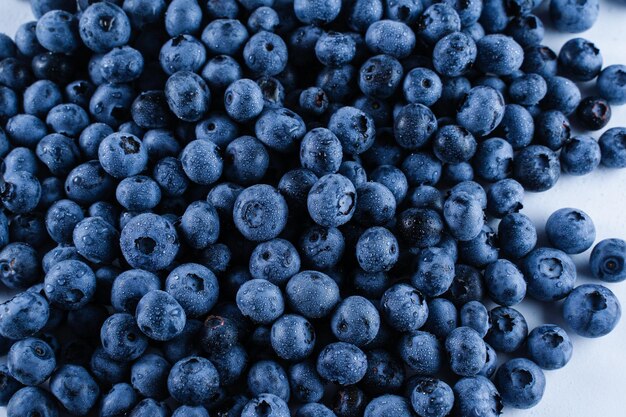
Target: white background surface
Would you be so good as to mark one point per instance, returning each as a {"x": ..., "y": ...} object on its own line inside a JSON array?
[{"x": 593, "y": 384}]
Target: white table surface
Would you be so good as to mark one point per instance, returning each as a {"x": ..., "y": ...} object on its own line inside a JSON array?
[{"x": 593, "y": 384}]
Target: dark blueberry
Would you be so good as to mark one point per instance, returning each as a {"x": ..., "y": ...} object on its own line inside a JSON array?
[{"x": 593, "y": 113}]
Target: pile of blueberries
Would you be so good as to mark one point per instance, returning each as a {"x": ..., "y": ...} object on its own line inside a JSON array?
[{"x": 266, "y": 208}]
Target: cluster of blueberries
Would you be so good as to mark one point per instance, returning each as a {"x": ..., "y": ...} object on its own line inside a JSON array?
[{"x": 253, "y": 208}]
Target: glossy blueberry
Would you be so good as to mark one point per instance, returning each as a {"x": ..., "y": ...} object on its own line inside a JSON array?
[
  {"x": 121, "y": 399},
  {"x": 266, "y": 404},
  {"x": 580, "y": 60},
  {"x": 518, "y": 235},
  {"x": 423, "y": 86},
  {"x": 182, "y": 53},
  {"x": 481, "y": 111},
  {"x": 607, "y": 260},
  {"x": 526, "y": 30},
  {"x": 342, "y": 363},
  {"x": 377, "y": 250},
  {"x": 611, "y": 84},
  {"x": 437, "y": 21},
  {"x": 305, "y": 383},
  {"x": 23, "y": 315},
  {"x": 183, "y": 16},
  {"x": 75, "y": 389},
  {"x": 104, "y": 26},
  {"x": 475, "y": 316},
  {"x": 549, "y": 347},
  {"x": 265, "y": 54},
  {"x": 393, "y": 179},
  {"x": 562, "y": 95},
  {"x": 421, "y": 168},
  {"x": 388, "y": 405},
  {"x": 380, "y": 76},
  {"x": 508, "y": 329},
  {"x": 32, "y": 400},
  {"x": 31, "y": 361},
  {"x": 40, "y": 97},
  {"x": 592, "y": 310},
  {"x": 260, "y": 300},
  {"x": 195, "y": 287},
  {"x": 454, "y": 144},
  {"x": 505, "y": 197},
  {"x": 521, "y": 383},
  {"x": 420, "y": 227},
  {"x": 537, "y": 168},
  {"x": 422, "y": 352},
  {"x": 466, "y": 350},
  {"x": 25, "y": 130},
  {"x": 331, "y": 201},
  {"x": 493, "y": 160},
  {"x": 70, "y": 284},
  {"x": 149, "y": 408},
  {"x": 454, "y": 54},
  {"x": 57, "y": 31},
  {"x": 280, "y": 129},
  {"x": 292, "y": 337},
  {"x": 431, "y": 397},
  {"x": 434, "y": 272},
  {"x": 102, "y": 249},
  {"x": 570, "y": 230},
  {"x": 573, "y": 17},
  {"x": 188, "y": 96},
  {"x": 354, "y": 128},
  {"x": 528, "y": 90},
  {"x": 149, "y": 376},
  {"x": 268, "y": 377},
  {"x": 149, "y": 242},
  {"x": 404, "y": 308},
  {"x": 505, "y": 283},
  {"x": 391, "y": 38},
  {"x": 463, "y": 215},
  {"x": 550, "y": 274},
  {"x": 159, "y": 316},
  {"x": 335, "y": 49},
  {"x": 193, "y": 381},
  {"x": 260, "y": 212},
  {"x": 356, "y": 320},
  {"x": 312, "y": 294},
  {"x": 414, "y": 125},
  {"x": 613, "y": 147}
]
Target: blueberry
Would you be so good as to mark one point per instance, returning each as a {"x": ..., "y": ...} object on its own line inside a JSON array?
[
  {"x": 414, "y": 125},
  {"x": 420, "y": 227},
  {"x": 537, "y": 168},
  {"x": 316, "y": 12},
  {"x": 260, "y": 213},
  {"x": 188, "y": 96},
  {"x": 306, "y": 385},
  {"x": 573, "y": 17},
  {"x": 104, "y": 26},
  {"x": 612, "y": 85},
  {"x": 454, "y": 144},
  {"x": 475, "y": 316},
  {"x": 526, "y": 30},
  {"x": 549, "y": 346},
  {"x": 182, "y": 53},
  {"x": 454, "y": 54},
  {"x": 521, "y": 383},
  {"x": 607, "y": 260},
  {"x": 195, "y": 287},
  {"x": 102, "y": 249},
  {"x": 613, "y": 147},
  {"x": 188, "y": 411},
  {"x": 481, "y": 111},
  {"x": 508, "y": 329},
  {"x": 434, "y": 272},
  {"x": 342, "y": 363},
  {"x": 321, "y": 152},
  {"x": 477, "y": 395},
  {"x": 32, "y": 400},
  {"x": 423, "y": 86},
  {"x": 41, "y": 7},
  {"x": 75, "y": 388},
  {"x": 505, "y": 283},
  {"x": 356, "y": 320},
  {"x": 528, "y": 90},
  {"x": 40, "y": 97},
  {"x": 437, "y": 21},
  {"x": 466, "y": 350},
  {"x": 314, "y": 409},
  {"x": 517, "y": 234},
  {"x": 159, "y": 316},
  {"x": 19, "y": 265},
  {"x": 182, "y": 17},
  {"x": 388, "y": 405},
  {"x": 149, "y": 407},
  {"x": 149, "y": 242},
  {"x": 422, "y": 352},
  {"x": 431, "y": 397},
  {"x": 266, "y": 405},
  {"x": 260, "y": 300},
  {"x": 592, "y": 310},
  {"x": 57, "y": 31},
  {"x": 70, "y": 284},
  {"x": 494, "y": 159},
  {"x": 121, "y": 399},
  {"x": 279, "y": 129},
  {"x": 377, "y": 250},
  {"x": 25, "y": 130},
  {"x": 270, "y": 378},
  {"x": 505, "y": 197},
  {"x": 31, "y": 361},
  {"x": 570, "y": 230}
]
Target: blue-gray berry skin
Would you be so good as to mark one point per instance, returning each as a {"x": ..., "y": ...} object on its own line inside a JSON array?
[
  {"x": 356, "y": 320},
  {"x": 481, "y": 111},
  {"x": 431, "y": 397},
  {"x": 521, "y": 383},
  {"x": 550, "y": 274},
  {"x": 549, "y": 346},
  {"x": 422, "y": 352},
  {"x": 537, "y": 168},
  {"x": 388, "y": 405},
  {"x": 613, "y": 147},
  {"x": 74, "y": 388},
  {"x": 466, "y": 351},
  {"x": 592, "y": 310},
  {"x": 193, "y": 380},
  {"x": 478, "y": 396},
  {"x": 607, "y": 260},
  {"x": 268, "y": 377},
  {"x": 574, "y": 17},
  {"x": 508, "y": 329},
  {"x": 149, "y": 242},
  {"x": 570, "y": 230},
  {"x": 505, "y": 283},
  {"x": 31, "y": 400},
  {"x": 342, "y": 363}
]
